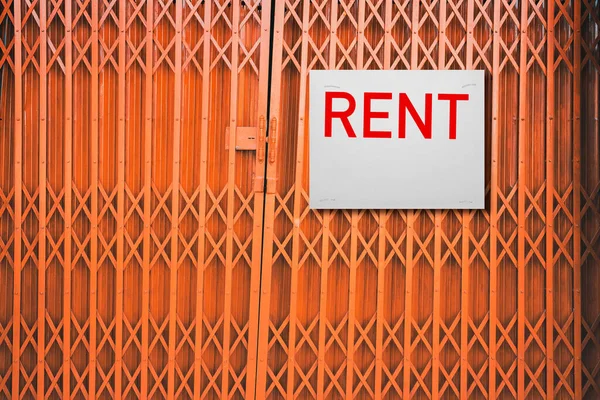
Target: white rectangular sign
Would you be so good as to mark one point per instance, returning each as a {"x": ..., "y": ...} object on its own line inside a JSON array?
[{"x": 397, "y": 139}]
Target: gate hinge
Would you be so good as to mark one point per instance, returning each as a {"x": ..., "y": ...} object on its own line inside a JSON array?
[{"x": 273, "y": 141}]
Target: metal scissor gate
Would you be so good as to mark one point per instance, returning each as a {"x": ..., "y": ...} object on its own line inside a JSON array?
[{"x": 155, "y": 235}]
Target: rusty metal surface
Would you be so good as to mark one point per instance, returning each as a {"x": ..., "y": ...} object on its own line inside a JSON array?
[{"x": 146, "y": 253}]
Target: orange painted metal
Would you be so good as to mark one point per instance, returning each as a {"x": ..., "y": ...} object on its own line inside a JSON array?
[
  {"x": 490, "y": 314},
  {"x": 143, "y": 255}
]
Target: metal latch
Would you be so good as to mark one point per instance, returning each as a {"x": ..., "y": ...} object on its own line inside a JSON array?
[{"x": 245, "y": 137}]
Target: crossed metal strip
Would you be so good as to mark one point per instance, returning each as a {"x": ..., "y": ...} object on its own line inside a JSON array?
[
  {"x": 400, "y": 11},
  {"x": 428, "y": 237},
  {"x": 158, "y": 340},
  {"x": 454, "y": 14},
  {"x": 6, "y": 344},
  {"x": 506, "y": 210},
  {"x": 80, "y": 339},
  {"x": 363, "y": 339},
  {"x": 186, "y": 338},
  {"x": 127, "y": 345},
  {"x": 55, "y": 339},
  {"x": 563, "y": 241},
  {"x": 448, "y": 338},
  {"x": 305, "y": 338},
  {"x": 374, "y": 17},
  {"x": 218, "y": 212},
  {"x": 591, "y": 15},
  {"x": 590, "y": 338},
  {"x": 134, "y": 241},
  {"x": 82, "y": 20},
  {"x": 392, "y": 338},
  {"x": 238, "y": 386},
  {"x": 367, "y": 245},
  {"x": 509, "y": 13},
  {"x": 108, "y": 51},
  {"x": 428, "y": 16},
  {"x": 451, "y": 243},
  {"x": 318, "y": 52},
  {"x": 55, "y": 51},
  {"x": 105, "y": 339},
  {"x": 278, "y": 340},
  {"x": 483, "y": 17},
  {"x": 562, "y": 50},
  {"x": 252, "y": 15},
  {"x": 561, "y": 329},
  {"x": 221, "y": 17},
  {"x": 421, "y": 339},
  {"x": 564, "y": 374},
  {"x": 161, "y": 49},
  {"x": 309, "y": 245},
  {"x": 28, "y": 343},
  {"x": 346, "y": 52},
  {"x": 336, "y": 340},
  {"x": 212, "y": 340},
  {"x": 504, "y": 338},
  {"x": 534, "y": 338},
  {"x": 590, "y": 240},
  {"x": 136, "y": 22},
  {"x": 535, "y": 50},
  {"x": 535, "y": 242}
]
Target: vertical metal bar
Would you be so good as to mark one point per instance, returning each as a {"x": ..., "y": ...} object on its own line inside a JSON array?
[
  {"x": 94, "y": 184},
  {"x": 18, "y": 143},
  {"x": 198, "y": 342},
  {"x": 66, "y": 388},
  {"x": 42, "y": 178},
  {"x": 521, "y": 202},
  {"x": 326, "y": 232},
  {"x": 147, "y": 197},
  {"x": 494, "y": 203},
  {"x": 382, "y": 232},
  {"x": 175, "y": 205},
  {"x": 120, "y": 204},
  {"x": 550, "y": 138},
  {"x": 354, "y": 232},
  {"x": 465, "y": 237},
  {"x": 323, "y": 294},
  {"x": 230, "y": 197},
  {"x": 437, "y": 238},
  {"x": 577, "y": 197},
  {"x": 257, "y": 230},
  {"x": 437, "y": 266},
  {"x": 291, "y": 372},
  {"x": 414, "y": 48}
]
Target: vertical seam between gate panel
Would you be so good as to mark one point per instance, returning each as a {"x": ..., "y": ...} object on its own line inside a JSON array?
[{"x": 268, "y": 200}]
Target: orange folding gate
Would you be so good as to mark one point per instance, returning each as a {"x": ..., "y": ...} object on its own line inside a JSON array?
[{"x": 155, "y": 234}]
